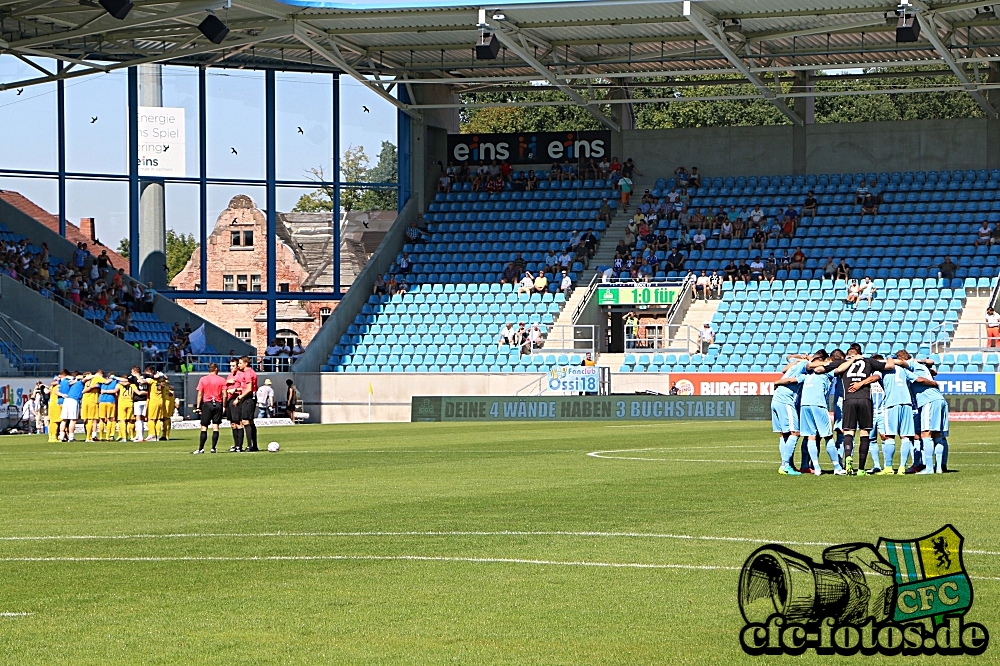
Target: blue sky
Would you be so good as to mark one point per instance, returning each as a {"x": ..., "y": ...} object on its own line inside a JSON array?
[{"x": 235, "y": 120}]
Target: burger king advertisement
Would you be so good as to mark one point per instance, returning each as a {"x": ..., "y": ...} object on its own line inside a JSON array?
[{"x": 724, "y": 383}]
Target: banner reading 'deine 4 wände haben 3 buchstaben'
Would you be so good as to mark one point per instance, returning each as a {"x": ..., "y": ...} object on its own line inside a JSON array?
[
  {"x": 161, "y": 142},
  {"x": 588, "y": 408}
]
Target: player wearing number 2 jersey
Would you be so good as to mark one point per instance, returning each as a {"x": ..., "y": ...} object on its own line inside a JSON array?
[{"x": 858, "y": 417}]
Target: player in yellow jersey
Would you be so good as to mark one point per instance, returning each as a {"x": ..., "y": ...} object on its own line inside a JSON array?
[
  {"x": 88, "y": 406},
  {"x": 169, "y": 405},
  {"x": 55, "y": 416},
  {"x": 154, "y": 411},
  {"x": 126, "y": 425}
]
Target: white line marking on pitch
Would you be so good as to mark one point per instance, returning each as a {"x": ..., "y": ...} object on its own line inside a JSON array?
[
  {"x": 504, "y": 533},
  {"x": 375, "y": 558}
]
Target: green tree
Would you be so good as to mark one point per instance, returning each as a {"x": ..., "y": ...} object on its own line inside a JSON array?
[
  {"x": 355, "y": 168},
  {"x": 180, "y": 247},
  {"x": 383, "y": 172}
]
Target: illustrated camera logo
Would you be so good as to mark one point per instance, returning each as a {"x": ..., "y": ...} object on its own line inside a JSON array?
[{"x": 900, "y": 597}]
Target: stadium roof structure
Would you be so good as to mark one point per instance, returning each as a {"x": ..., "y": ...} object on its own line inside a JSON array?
[{"x": 579, "y": 47}]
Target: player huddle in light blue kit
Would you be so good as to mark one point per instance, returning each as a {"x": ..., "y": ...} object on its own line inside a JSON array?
[{"x": 873, "y": 398}]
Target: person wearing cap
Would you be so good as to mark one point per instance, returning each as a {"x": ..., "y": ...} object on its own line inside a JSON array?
[
  {"x": 566, "y": 284},
  {"x": 706, "y": 336},
  {"x": 265, "y": 400},
  {"x": 604, "y": 212}
]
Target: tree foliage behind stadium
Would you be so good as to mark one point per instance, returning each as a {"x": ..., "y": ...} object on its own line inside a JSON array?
[{"x": 723, "y": 113}]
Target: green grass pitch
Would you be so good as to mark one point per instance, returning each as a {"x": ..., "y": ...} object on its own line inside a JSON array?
[{"x": 439, "y": 543}]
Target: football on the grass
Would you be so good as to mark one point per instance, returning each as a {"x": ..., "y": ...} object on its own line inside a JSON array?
[{"x": 274, "y": 447}]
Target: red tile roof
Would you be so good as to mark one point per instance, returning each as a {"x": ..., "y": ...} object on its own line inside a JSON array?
[{"x": 73, "y": 233}]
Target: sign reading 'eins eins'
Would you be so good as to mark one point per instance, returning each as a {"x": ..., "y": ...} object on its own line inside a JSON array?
[{"x": 529, "y": 147}]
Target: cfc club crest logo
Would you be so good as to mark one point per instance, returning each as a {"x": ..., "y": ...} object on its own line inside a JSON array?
[{"x": 905, "y": 597}]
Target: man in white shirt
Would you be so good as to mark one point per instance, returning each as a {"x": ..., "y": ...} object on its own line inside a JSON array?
[
  {"x": 284, "y": 354},
  {"x": 757, "y": 269},
  {"x": 270, "y": 355},
  {"x": 706, "y": 336},
  {"x": 698, "y": 242},
  {"x": 609, "y": 274},
  {"x": 526, "y": 284},
  {"x": 265, "y": 400},
  {"x": 566, "y": 284},
  {"x": 867, "y": 290},
  {"x": 992, "y": 328},
  {"x": 507, "y": 336},
  {"x": 702, "y": 286},
  {"x": 756, "y": 215},
  {"x": 297, "y": 350}
]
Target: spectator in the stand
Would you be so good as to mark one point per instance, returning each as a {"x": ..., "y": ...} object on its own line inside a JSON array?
[
  {"x": 413, "y": 234},
  {"x": 684, "y": 241},
  {"x": 495, "y": 184},
  {"x": 554, "y": 172},
  {"x": 605, "y": 167},
  {"x": 566, "y": 284},
  {"x": 517, "y": 183},
  {"x": 505, "y": 169},
  {"x": 589, "y": 242},
  {"x": 404, "y": 263},
  {"x": 392, "y": 285},
  {"x": 726, "y": 230},
  {"x": 792, "y": 214},
  {"x": 699, "y": 240},
  {"x": 80, "y": 256},
  {"x": 566, "y": 171},
  {"x": 716, "y": 284},
  {"x": 771, "y": 268},
  {"x": 551, "y": 263},
  {"x": 948, "y": 268},
  {"x": 829, "y": 269},
  {"x": 702, "y": 286},
  {"x": 531, "y": 182},
  {"x": 744, "y": 271},
  {"x": 759, "y": 241},
  {"x": 810, "y": 205},
  {"x": 519, "y": 263},
  {"x": 380, "y": 288},
  {"x": 604, "y": 212},
  {"x": 787, "y": 228},
  {"x": 527, "y": 283},
  {"x": 566, "y": 260},
  {"x": 681, "y": 173},
  {"x": 757, "y": 269},
  {"x": 984, "y": 235},
  {"x": 444, "y": 183},
  {"x": 861, "y": 192},
  {"x": 591, "y": 171},
  {"x": 869, "y": 205},
  {"x": 798, "y": 260},
  {"x": 867, "y": 290},
  {"x": 731, "y": 271},
  {"x": 150, "y": 352},
  {"x": 843, "y": 270},
  {"x": 509, "y": 275},
  {"x": 271, "y": 356},
  {"x": 507, "y": 336},
  {"x": 541, "y": 284},
  {"x": 853, "y": 293},
  {"x": 629, "y": 170},
  {"x": 774, "y": 230},
  {"x": 675, "y": 261},
  {"x": 694, "y": 179}
]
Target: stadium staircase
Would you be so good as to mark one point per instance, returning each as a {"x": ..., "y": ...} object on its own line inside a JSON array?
[
  {"x": 451, "y": 317},
  {"x": 925, "y": 217}
]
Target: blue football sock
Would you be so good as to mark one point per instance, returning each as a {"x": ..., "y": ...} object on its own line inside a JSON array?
[
  {"x": 840, "y": 441},
  {"x": 790, "y": 443},
  {"x": 834, "y": 452},
  {"x": 813, "y": 453},
  {"x": 783, "y": 450},
  {"x": 944, "y": 454},
  {"x": 905, "y": 449},
  {"x": 873, "y": 452},
  {"x": 888, "y": 450},
  {"x": 939, "y": 454},
  {"x": 927, "y": 453}
]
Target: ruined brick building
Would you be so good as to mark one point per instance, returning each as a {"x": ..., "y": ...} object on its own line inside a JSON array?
[{"x": 237, "y": 261}]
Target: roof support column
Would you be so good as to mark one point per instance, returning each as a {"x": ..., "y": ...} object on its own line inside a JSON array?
[
  {"x": 513, "y": 43},
  {"x": 929, "y": 28},
  {"x": 804, "y": 108},
  {"x": 704, "y": 23}
]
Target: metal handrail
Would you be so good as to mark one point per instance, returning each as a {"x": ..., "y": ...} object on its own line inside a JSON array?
[
  {"x": 995, "y": 293},
  {"x": 952, "y": 341},
  {"x": 679, "y": 338},
  {"x": 591, "y": 288},
  {"x": 680, "y": 306}
]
